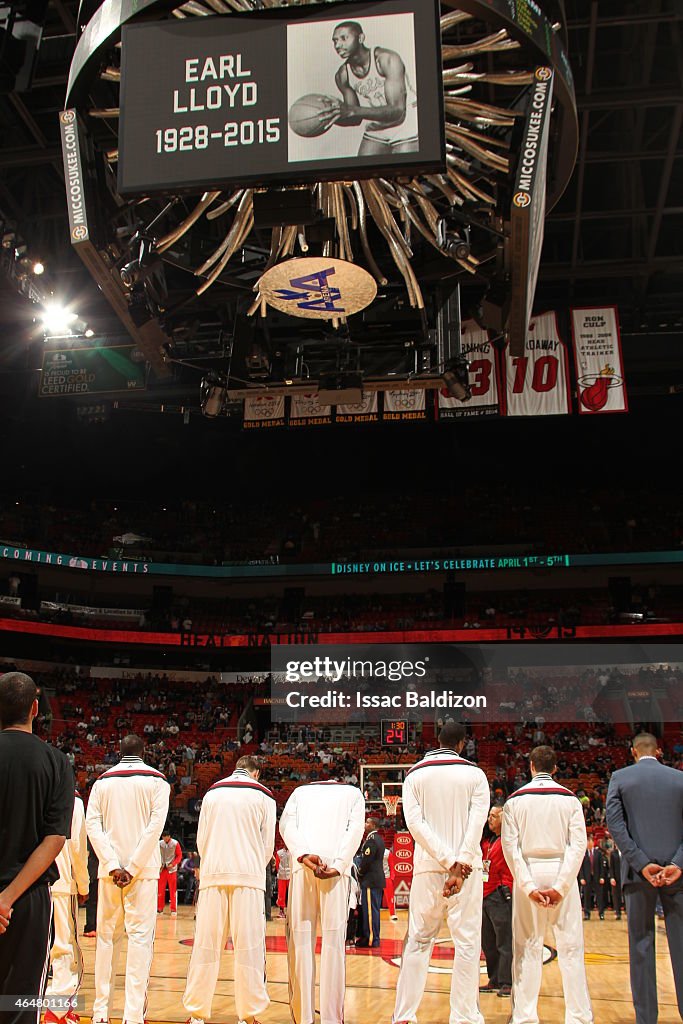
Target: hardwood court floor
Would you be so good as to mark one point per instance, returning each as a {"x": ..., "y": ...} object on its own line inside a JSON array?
[{"x": 371, "y": 977}]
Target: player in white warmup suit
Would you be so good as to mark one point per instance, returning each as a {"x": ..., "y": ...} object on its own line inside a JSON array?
[
  {"x": 70, "y": 889},
  {"x": 445, "y": 806},
  {"x": 322, "y": 826},
  {"x": 544, "y": 842},
  {"x": 126, "y": 813},
  {"x": 235, "y": 840}
]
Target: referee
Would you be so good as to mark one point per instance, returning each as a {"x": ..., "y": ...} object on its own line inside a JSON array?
[{"x": 36, "y": 806}]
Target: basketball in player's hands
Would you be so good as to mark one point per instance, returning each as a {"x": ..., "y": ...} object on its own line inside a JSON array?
[{"x": 313, "y": 115}]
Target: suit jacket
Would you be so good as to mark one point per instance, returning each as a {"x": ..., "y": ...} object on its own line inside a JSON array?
[
  {"x": 600, "y": 867},
  {"x": 371, "y": 869},
  {"x": 645, "y": 816}
]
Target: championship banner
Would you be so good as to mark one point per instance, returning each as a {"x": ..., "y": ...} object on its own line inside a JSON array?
[
  {"x": 306, "y": 411},
  {"x": 361, "y": 412},
  {"x": 537, "y": 383},
  {"x": 401, "y": 406},
  {"x": 483, "y": 376},
  {"x": 599, "y": 361},
  {"x": 96, "y": 370},
  {"x": 264, "y": 410}
]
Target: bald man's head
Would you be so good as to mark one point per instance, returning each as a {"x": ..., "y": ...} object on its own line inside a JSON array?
[{"x": 645, "y": 745}]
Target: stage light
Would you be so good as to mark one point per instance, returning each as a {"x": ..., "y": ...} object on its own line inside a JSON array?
[
  {"x": 89, "y": 333},
  {"x": 38, "y": 268},
  {"x": 452, "y": 243},
  {"x": 213, "y": 394},
  {"x": 57, "y": 320},
  {"x": 456, "y": 379}
]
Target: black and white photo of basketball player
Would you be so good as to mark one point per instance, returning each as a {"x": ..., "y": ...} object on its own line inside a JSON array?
[{"x": 367, "y": 105}]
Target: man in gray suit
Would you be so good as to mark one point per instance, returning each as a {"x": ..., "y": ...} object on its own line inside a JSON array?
[{"x": 645, "y": 819}]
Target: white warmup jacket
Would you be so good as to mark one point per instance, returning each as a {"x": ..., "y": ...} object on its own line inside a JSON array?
[
  {"x": 446, "y": 802},
  {"x": 551, "y": 828},
  {"x": 326, "y": 819},
  {"x": 72, "y": 859},
  {"x": 127, "y": 811},
  {"x": 236, "y": 833}
]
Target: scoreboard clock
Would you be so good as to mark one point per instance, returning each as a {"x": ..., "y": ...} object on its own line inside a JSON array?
[{"x": 394, "y": 732}]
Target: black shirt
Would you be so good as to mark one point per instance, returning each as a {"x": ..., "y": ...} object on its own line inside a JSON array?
[{"x": 36, "y": 800}]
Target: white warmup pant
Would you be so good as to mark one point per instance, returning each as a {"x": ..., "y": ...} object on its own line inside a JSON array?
[
  {"x": 240, "y": 912},
  {"x": 132, "y": 910},
  {"x": 425, "y": 917},
  {"x": 311, "y": 898},
  {"x": 66, "y": 956},
  {"x": 529, "y": 923}
]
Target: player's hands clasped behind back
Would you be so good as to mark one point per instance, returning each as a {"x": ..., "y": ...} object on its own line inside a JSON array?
[
  {"x": 315, "y": 864},
  {"x": 546, "y": 897},
  {"x": 120, "y": 877},
  {"x": 456, "y": 876},
  {"x": 658, "y": 876}
]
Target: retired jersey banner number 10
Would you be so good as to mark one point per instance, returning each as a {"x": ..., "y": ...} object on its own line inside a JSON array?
[{"x": 537, "y": 382}]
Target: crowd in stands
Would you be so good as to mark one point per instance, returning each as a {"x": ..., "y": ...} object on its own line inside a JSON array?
[
  {"x": 195, "y": 730},
  {"x": 573, "y": 520}
]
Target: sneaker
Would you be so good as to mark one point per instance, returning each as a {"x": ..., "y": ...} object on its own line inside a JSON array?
[
  {"x": 159, "y": 911},
  {"x": 71, "y": 1017},
  {"x": 394, "y": 917},
  {"x": 89, "y": 935},
  {"x": 194, "y": 1020},
  {"x": 505, "y": 991},
  {"x": 174, "y": 913},
  {"x": 51, "y": 1018},
  {"x": 489, "y": 987}
]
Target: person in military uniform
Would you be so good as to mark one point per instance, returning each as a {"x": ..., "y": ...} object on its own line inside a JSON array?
[{"x": 372, "y": 884}]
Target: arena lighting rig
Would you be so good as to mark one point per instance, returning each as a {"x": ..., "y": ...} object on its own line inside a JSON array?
[{"x": 239, "y": 220}]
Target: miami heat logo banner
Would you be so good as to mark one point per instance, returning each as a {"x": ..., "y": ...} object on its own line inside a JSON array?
[
  {"x": 306, "y": 411},
  {"x": 404, "y": 405},
  {"x": 599, "y": 362},
  {"x": 264, "y": 410},
  {"x": 537, "y": 382},
  {"x": 483, "y": 378}
]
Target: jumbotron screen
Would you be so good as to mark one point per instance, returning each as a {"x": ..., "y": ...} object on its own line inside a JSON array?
[{"x": 340, "y": 91}]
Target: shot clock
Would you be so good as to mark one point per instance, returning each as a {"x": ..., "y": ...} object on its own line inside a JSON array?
[{"x": 394, "y": 732}]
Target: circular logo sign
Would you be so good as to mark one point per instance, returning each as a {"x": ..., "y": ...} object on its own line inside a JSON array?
[
  {"x": 543, "y": 74},
  {"x": 318, "y": 289},
  {"x": 67, "y": 116},
  {"x": 80, "y": 233},
  {"x": 521, "y": 199}
]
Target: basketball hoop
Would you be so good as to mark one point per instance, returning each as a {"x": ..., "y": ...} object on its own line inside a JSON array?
[{"x": 391, "y": 803}]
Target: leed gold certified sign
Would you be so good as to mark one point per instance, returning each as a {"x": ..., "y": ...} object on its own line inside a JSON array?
[{"x": 318, "y": 288}]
